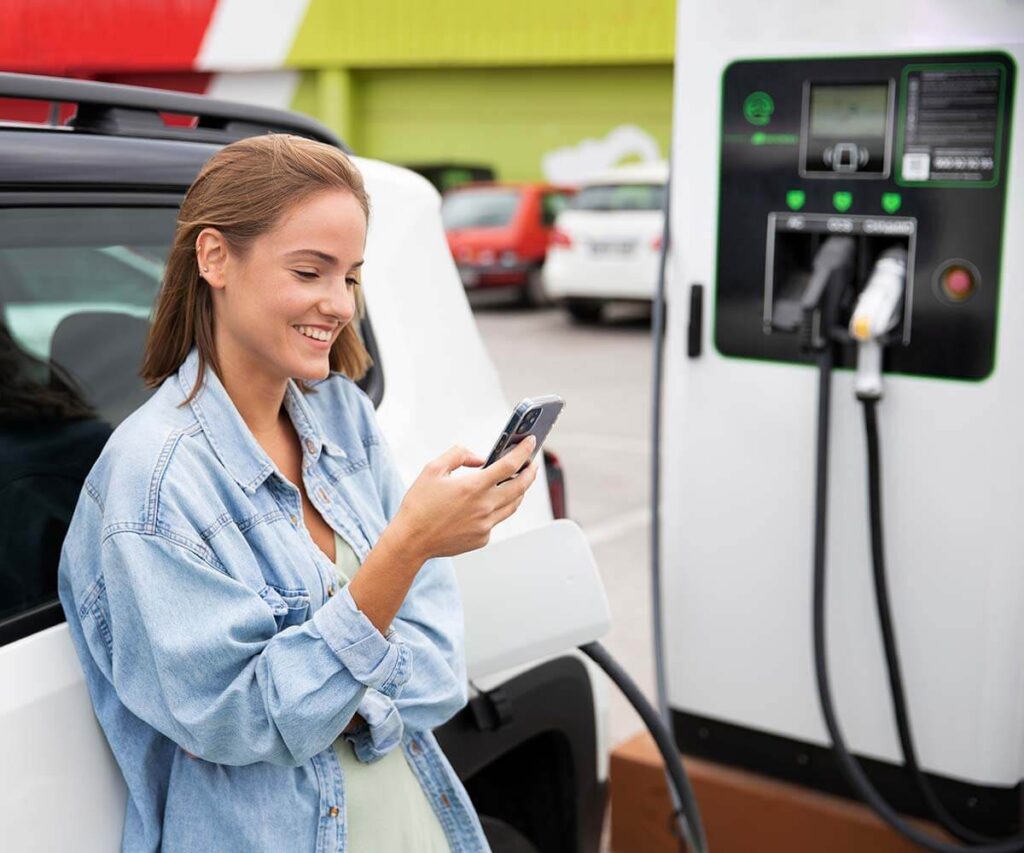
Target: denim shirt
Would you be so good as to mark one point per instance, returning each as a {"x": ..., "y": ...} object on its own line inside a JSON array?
[{"x": 221, "y": 658}]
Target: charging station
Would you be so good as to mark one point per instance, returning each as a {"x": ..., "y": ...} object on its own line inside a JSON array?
[{"x": 843, "y": 181}]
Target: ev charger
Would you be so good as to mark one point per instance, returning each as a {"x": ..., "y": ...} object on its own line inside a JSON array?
[{"x": 889, "y": 124}]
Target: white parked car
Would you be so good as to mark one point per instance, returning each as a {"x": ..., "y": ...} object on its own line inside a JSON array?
[
  {"x": 87, "y": 213},
  {"x": 606, "y": 243}
]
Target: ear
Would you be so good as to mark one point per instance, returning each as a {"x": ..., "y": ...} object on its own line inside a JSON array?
[{"x": 211, "y": 256}]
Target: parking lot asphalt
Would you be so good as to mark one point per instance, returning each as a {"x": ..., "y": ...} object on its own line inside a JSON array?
[{"x": 603, "y": 441}]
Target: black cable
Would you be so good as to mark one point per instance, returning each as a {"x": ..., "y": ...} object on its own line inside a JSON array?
[
  {"x": 848, "y": 765},
  {"x": 657, "y": 374},
  {"x": 658, "y": 346},
  {"x": 662, "y": 737},
  {"x": 899, "y": 700}
]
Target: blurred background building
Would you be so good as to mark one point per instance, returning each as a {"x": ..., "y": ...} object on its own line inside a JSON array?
[{"x": 531, "y": 90}]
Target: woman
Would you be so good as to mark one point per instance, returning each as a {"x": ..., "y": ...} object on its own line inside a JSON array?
[{"x": 269, "y": 629}]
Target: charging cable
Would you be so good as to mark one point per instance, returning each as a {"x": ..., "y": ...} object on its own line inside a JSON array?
[
  {"x": 679, "y": 784},
  {"x": 876, "y": 313},
  {"x": 848, "y": 765},
  {"x": 686, "y": 815}
]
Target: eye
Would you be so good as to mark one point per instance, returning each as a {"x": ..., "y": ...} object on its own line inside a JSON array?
[
  {"x": 305, "y": 275},
  {"x": 352, "y": 281}
]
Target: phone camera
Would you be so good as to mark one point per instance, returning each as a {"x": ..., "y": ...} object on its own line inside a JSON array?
[{"x": 528, "y": 421}]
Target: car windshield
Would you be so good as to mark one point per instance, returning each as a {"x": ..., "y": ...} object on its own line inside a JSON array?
[
  {"x": 483, "y": 208},
  {"x": 620, "y": 197}
]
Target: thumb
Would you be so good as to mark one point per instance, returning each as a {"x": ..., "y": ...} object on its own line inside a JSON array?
[{"x": 456, "y": 457}]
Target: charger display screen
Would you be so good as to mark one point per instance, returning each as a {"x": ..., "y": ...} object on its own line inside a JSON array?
[
  {"x": 849, "y": 112},
  {"x": 846, "y": 129}
]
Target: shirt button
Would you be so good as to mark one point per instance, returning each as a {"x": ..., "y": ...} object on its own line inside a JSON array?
[
  {"x": 415, "y": 747},
  {"x": 333, "y": 811},
  {"x": 330, "y": 590},
  {"x": 310, "y": 445},
  {"x": 444, "y": 799},
  {"x": 293, "y": 519}
]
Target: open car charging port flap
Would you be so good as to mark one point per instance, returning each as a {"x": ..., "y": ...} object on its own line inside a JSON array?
[{"x": 793, "y": 242}]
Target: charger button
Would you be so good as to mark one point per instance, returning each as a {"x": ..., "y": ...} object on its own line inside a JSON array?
[{"x": 957, "y": 282}]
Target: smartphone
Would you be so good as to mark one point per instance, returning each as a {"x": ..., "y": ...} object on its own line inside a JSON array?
[{"x": 533, "y": 416}]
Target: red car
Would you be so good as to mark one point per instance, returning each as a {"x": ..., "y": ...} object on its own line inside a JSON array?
[{"x": 499, "y": 232}]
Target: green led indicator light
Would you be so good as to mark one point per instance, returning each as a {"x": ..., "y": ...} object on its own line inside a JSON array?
[
  {"x": 891, "y": 202},
  {"x": 841, "y": 201},
  {"x": 795, "y": 199},
  {"x": 758, "y": 108}
]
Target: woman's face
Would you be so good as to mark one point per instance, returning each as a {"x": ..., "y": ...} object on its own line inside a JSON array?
[{"x": 279, "y": 308}]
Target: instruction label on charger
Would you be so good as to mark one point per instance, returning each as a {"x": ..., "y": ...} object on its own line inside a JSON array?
[{"x": 952, "y": 123}]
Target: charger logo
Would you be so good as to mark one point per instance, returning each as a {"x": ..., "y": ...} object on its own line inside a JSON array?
[{"x": 758, "y": 108}]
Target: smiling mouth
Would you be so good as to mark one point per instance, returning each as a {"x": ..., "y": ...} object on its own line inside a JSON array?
[{"x": 314, "y": 333}]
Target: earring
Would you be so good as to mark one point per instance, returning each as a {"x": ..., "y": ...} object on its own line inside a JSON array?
[{"x": 206, "y": 269}]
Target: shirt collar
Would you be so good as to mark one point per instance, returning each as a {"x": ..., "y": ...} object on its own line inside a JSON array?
[{"x": 231, "y": 438}]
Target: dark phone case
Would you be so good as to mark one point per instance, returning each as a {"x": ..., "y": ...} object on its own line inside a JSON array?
[{"x": 551, "y": 407}]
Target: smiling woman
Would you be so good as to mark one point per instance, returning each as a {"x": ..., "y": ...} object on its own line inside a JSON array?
[
  {"x": 268, "y": 621},
  {"x": 216, "y": 244}
]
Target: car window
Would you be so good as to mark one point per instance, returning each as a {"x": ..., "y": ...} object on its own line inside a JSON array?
[
  {"x": 552, "y": 204},
  {"x": 76, "y": 287},
  {"x": 484, "y": 208},
  {"x": 620, "y": 197}
]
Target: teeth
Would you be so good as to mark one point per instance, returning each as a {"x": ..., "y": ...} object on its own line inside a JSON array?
[{"x": 316, "y": 334}]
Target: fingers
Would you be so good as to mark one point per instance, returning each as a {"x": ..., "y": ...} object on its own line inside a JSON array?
[
  {"x": 512, "y": 462},
  {"x": 500, "y": 514},
  {"x": 514, "y": 488}
]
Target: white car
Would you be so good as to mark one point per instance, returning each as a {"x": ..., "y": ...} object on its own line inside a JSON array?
[
  {"x": 606, "y": 243},
  {"x": 86, "y": 218}
]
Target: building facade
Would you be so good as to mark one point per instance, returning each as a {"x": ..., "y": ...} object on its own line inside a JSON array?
[{"x": 531, "y": 89}]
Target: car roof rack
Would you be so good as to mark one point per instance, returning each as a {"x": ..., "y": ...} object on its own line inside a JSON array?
[{"x": 112, "y": 109}]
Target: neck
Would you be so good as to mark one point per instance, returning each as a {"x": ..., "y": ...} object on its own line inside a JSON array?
[{"x": 257, "y": 395}]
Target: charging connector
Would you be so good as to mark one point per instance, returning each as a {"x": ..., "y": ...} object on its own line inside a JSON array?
[
  {"x": 831, "y": 273},
  {"x": 876, "y": 313}
]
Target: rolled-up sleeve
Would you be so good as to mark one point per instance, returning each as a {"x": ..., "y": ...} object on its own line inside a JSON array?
[
  {"x": 373, "y": 660},
  {"x": 197, "y": 655},
  {"x": 381, "y": 730}
]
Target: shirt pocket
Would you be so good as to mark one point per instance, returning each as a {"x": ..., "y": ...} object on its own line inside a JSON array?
[{"x": 289, "y": 606}]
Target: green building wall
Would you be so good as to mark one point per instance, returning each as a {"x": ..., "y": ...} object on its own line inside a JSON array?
[
  {"x": 498, "y": 84},
  {"x": 507, "y": 118}
]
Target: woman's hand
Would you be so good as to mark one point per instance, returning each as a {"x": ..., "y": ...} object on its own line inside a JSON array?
[{"x": 441, "y": 515}]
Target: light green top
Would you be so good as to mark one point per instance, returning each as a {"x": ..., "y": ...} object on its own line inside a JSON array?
[{"x": 387, "y": 811}]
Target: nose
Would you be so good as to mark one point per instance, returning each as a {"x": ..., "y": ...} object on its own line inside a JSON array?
[{"x": 339, "y": 301}]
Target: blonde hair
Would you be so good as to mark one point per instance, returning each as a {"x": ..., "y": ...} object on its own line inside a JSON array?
[{"x": 243, "y": 191}]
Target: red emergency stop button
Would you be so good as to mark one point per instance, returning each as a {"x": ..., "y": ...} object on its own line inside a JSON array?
[{"x": 958, "y": 281}]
